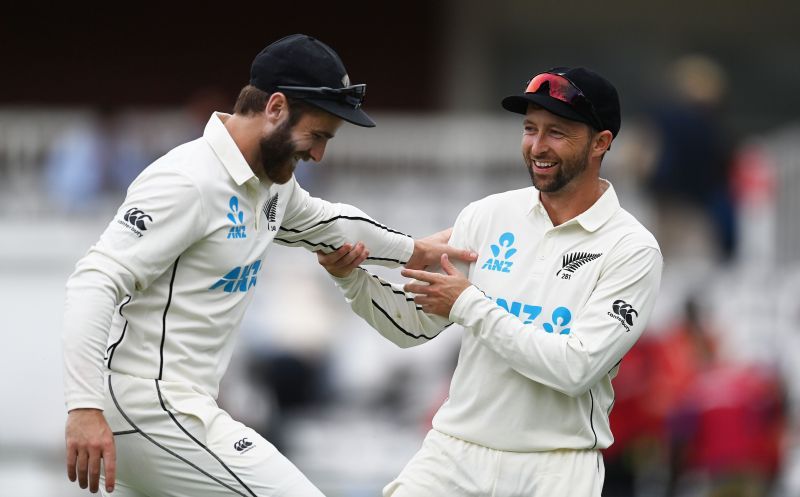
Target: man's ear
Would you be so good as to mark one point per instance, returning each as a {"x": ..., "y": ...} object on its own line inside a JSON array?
[
  {"x": 601, "y": 143},
  {"x": 277, "y": 106}
]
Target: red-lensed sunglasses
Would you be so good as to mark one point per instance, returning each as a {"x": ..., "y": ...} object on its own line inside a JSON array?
[{"x": 561, "y": 88}]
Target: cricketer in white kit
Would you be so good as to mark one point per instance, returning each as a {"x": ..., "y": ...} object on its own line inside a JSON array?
[
  {"x": 182, "y": 256},
  {"x": 152, "y": 310},
  {"x": 564, "y": 285},
  {"x": 551, "y": 312}
]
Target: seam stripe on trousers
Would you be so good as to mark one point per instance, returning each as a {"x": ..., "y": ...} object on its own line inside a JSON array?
[
  {"x": 198, "y": 442},
  {"x": 591, "y": 419},
  {"x": 168, "y": 451}
]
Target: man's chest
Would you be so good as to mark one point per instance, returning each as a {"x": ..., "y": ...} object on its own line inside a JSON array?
[
  {"x": 541, "y": 276},
  {"x": 241, "y": 227}
]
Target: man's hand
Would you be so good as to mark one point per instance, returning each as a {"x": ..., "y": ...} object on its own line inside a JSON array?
[
  {"x": 441, "y": 290},
  {"x": 344, "y": 260},
  {"x": 428, "y": 250},
  {"x": 89, "y": 439}
]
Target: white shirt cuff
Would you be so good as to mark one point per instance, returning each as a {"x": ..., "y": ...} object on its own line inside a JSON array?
[{"x": 464, "y": 303}]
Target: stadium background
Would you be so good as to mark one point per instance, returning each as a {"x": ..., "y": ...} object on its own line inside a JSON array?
[{"x": 88, "y": 96}]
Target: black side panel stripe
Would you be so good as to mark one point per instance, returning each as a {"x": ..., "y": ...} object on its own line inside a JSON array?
[
  {"x": 591, "y": 418},
  {"x": 125, "y": 432},
  {"x": 150, "y": 439},
  {"x": 113, "y": 348},
  {"x": 351, "y": 218},
  {"x": 403, "y": 330},
  {"x": 327, "y": 245},
  {"x": 130, "y": 297},
  {"x": 198, "y": 442},
  {"x": 164, "y": 319}
]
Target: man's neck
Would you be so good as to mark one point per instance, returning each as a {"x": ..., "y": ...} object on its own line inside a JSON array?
[
  {"x": 245, "y": 136},
  {"x": 568, "y": 203}
]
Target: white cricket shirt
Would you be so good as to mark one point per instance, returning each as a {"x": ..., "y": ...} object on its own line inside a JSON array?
[
  {"x": 551, "y": 312},
  {"x": 177, "y": 265}
]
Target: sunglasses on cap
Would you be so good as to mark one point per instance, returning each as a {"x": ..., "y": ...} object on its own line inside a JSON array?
[
  {"x": 350, "y": 95},
  {"x": 561, "y": 88}
]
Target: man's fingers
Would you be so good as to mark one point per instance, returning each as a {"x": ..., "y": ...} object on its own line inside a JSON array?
[
  {"x": 94, "y": 470},
  {"x": 448, "y": 266},
  {"x": 82, "y": 467},
  {"x": 462, "y": 255},
  {"x": 423, "y": 300},
  {"x": 340, "y": 253},
  {"x": 110, "y": 465},
  {"x": 333, "y": 257},
  {"x": 353, "y": 255},
  {"x": 72, "y": 457},
  {"x": 420, "y": 275},
  {"x": 417, "y": 288}
]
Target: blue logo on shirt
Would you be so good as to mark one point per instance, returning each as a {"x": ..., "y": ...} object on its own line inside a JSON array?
[
  {"x": 559, "y": 318},
  {"x": 239, "y": 279},
  {"x": 500, "y": 261},
  {"x": 237, "y": 218}
]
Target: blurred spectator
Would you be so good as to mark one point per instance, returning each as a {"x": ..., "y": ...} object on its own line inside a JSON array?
[
  {"x": 637, "y": 458},
  {"x": 688, "y": 423},
  {"x": 691, "y": 175},
  {"x": 89, "y": 159}
]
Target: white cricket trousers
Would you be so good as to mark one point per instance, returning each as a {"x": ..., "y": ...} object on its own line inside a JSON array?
[
  {"x": 447, "y": 466},
  {"x": 174, "y": 441}
]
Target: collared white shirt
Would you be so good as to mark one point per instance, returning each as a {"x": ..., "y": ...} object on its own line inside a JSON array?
[
  {"x": 550, "y": 315},
  {"x": 177, "y": 265}
]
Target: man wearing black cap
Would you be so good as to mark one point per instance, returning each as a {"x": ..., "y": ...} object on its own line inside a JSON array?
[
  {"x": 152, "y": 309},
  {"x": 563, "y": 286}
]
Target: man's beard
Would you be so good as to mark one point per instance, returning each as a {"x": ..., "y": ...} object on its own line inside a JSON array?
[
  {"x": 277, "y": 151},
  {"x": 567, "y": 170}
]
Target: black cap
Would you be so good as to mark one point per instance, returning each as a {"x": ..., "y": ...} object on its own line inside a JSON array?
[
  {"x": 598, "y": 91},
  {"x": 301, "y": 61}
]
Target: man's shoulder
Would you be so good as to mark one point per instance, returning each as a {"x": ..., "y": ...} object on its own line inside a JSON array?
[
  {"x": 193, "y": 160},
  {"x": 521, "y": 198},
  {"x": 629, "y": 229}
]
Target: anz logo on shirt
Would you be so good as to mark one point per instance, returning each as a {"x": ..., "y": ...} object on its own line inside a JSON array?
[
  {"x": 557, "y": 322},
  {"x": 236, "y": 216},
  {"x": 239, "y": 279},
  {"x": 500, "y": 261}
]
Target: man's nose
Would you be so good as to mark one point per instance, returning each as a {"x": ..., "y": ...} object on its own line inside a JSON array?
[{"x": 317, "y": 151}]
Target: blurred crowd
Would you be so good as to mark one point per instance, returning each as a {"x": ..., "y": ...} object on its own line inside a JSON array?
[{"x": 707, "y": 402}]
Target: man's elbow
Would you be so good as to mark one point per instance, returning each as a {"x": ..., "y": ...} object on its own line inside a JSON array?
[
  {"x": 580, "y": 379},
  {"x": 576, "y": 389}
]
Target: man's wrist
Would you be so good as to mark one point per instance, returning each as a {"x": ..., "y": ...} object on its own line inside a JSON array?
[
  {"x": 344, "y": 281},
  {"x": 463, "y": 303}
]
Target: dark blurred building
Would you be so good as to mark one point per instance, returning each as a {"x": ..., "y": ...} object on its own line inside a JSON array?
[{"x": 416, "y": 56}]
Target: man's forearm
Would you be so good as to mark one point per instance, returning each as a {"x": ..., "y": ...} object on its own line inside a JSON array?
[{"x": 90, "y": 302}]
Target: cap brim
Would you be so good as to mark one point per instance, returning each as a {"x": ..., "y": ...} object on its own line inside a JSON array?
[
  {"x": 519, "y": 105},
  {"x": 346, "y": 112}
]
